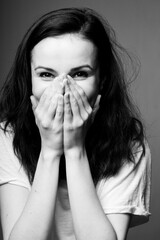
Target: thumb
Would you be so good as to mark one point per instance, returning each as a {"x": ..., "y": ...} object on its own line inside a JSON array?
[
  {"x": 95, "y": 108},
  {"x": 34, "y": 102},
  {"x": 96, "y": 105}
]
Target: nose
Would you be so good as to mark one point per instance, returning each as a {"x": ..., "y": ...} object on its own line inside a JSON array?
[{"x": 60, "y": 82}]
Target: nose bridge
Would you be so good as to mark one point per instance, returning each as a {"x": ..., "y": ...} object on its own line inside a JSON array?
[
  {"x": 64, "y": 66},
  {"x": 60, "y": 78}
]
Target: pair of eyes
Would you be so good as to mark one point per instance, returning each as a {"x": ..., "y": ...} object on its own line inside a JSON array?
[{"x": 80, "y": 75}]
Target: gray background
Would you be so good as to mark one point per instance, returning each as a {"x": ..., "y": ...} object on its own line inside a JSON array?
[{"x": 137, "y": 24}]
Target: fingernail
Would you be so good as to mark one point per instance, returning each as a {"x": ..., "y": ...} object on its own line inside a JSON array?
[
  {"x": 69, "y": 78},
  {"x": 64, "y": 81}
]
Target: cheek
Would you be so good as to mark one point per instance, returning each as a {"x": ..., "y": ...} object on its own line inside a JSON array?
[
  {"x": 91, "y": 91},
  {"x": 38, "y": 87}
]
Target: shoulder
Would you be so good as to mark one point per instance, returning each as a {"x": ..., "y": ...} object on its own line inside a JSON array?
[
  {"x": 142, "y": 154},
  {"x": 137, "y": 170},
  {"x": 11, "y": 170},
  {"x": 6, "y": 140},
  {"x": 129, "y": 190}
]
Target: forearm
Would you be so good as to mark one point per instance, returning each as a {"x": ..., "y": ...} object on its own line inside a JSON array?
[
  {"x": 37, "y": 216},
  {"x": 89, "y": 220}
]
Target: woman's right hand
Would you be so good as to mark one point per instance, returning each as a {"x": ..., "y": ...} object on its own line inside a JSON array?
[{"x": 48, "y": 112}]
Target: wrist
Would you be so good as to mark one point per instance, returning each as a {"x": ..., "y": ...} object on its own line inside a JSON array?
[
  {"x": 75, "y": 153},
  {"x": 49, "y": 154}
]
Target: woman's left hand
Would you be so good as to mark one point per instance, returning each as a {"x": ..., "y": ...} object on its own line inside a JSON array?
[{"x": 77, "y": 112}]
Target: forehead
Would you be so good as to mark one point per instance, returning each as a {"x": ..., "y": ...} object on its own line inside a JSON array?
[{"x": 69, "y": 48}]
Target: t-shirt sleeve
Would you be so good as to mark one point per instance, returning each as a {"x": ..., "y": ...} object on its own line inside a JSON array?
[
  {"x": 129, "y": 190},
  {"x": 11, "y": 171}
]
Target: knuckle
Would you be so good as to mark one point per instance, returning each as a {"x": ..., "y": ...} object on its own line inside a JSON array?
[
  {"x": 73, "y": 100},
  {"x": 44, "y": 123},
  {"x": 68, "y": 111},
  {"x": 57, "y": 130},
  {"x": 85, "y": 116},
  {"x": 90, "y": 110},
  {"x": 79, "y": 98},
  {"x": 59, "y": 113},
  {"x": 36, "y": 113},
  {"x": 79, "y": 123},
  {"x": 67, "y": 127}
]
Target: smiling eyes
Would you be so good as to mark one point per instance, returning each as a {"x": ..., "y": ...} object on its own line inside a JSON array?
[
  {"x": 80, "y": 75},
  {"x": 46, "y": 75}
]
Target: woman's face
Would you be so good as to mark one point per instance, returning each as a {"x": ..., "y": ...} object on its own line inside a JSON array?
[{"x": 68, "y": 54}]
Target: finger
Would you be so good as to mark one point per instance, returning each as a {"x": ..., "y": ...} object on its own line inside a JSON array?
[
  {"x": 74, "y": 106},
  {"x": 82, "y": 95},
  {"x": 95, "y": 108},
  {"x": 72, "y": 86},
  {"x": 66, "y": 85},
  {"x": 67, "y": 108},
  {"x": 59, "y": 110},
  {"x": 60, "y": 88},
  {"x": 52, "y": 107},
  {"x": 74, "y": 91},
  {"x": 57, "y": 85},
  {"x": 34, "y": 102},
  {"x": 71, "y": 79},
  {"x": 83, "y": 109},
  {"x": 45, "y": 99}
]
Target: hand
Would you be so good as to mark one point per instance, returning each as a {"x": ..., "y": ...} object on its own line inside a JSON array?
[
  {"x": 48, "y": 113},
  {"x": 77, "y": 112}
]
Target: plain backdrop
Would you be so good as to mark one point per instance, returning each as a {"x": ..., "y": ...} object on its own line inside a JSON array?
[{"x": 137, "y": 25}]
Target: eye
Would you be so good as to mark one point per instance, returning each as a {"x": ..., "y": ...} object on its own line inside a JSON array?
[
  {"x": 46, "y": 75},
  {"x": 80, "y": 75}
]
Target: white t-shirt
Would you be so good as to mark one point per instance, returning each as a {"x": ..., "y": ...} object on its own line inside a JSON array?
[{"x": 127, "y": 192}]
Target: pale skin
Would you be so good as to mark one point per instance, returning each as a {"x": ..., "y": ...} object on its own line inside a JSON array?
[{"x": 65, "y": 87}]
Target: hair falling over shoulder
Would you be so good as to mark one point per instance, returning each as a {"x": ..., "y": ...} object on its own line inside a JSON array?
[{"x": 116, "y": 127}]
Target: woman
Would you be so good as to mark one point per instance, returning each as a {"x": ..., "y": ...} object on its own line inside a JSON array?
[{"x": 73, "y": 152}]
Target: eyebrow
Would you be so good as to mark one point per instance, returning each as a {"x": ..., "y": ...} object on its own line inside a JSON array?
[{"x": 73, "y": 69}]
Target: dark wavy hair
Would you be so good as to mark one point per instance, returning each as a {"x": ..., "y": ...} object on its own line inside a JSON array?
[{"x": 116, "y": 127}]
